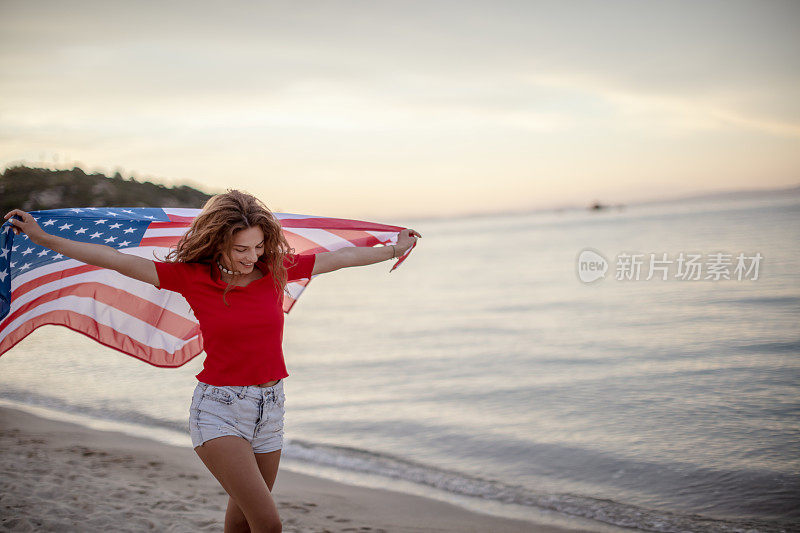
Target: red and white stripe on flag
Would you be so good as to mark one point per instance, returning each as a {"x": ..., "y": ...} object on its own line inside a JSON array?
[{"x": 39, "y": 287}]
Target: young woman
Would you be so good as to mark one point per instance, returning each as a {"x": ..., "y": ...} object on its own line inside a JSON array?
[{"x": 231, "y": 266}]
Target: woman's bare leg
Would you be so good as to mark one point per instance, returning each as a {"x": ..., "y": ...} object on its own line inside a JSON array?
[
  {"x": 235, "y": 520},
  {"x": 268, "y": 465},
  {"x": 231, "y": 460}
]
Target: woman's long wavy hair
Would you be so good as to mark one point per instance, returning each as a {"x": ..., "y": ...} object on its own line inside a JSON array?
[{"x": 210, "y": 237}]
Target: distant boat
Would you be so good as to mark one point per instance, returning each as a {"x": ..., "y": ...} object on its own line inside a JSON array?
[{"x": 597, "y": 206}]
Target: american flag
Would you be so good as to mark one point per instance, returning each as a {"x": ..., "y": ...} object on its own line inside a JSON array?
[{"x": 39, "y": 286}]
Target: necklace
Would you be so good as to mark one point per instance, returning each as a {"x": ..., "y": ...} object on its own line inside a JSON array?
[{"x": 225, "y": 269}]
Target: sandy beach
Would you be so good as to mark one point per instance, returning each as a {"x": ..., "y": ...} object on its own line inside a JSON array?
[{"x": 59, "y": 476}]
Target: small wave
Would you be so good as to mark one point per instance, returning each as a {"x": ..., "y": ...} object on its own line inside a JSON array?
[
  {"x": 602, "y": 510},
  {"x": 114, "y": 415},
  {"x": 769, "y": 347},
  {"x": 767, "y": 301}
]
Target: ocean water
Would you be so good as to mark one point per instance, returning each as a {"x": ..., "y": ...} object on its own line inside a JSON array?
[{"x": 485, "y": 371}]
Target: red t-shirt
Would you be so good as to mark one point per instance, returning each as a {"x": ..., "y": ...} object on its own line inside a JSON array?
[{"x": 242, "y": 341}]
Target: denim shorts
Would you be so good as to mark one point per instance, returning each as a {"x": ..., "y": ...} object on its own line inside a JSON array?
[{"x": 251, "y": 412}]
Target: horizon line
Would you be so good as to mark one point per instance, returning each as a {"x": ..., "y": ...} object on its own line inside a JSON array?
[{"x": 517, "y": 211}]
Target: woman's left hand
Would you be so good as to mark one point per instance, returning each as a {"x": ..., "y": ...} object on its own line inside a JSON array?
[{"x": 406, "y": 240}]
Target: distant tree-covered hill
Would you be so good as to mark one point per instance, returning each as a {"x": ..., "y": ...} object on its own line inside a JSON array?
[{"x": 34, "y": 189}]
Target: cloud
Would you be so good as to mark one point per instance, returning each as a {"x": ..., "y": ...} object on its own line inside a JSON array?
[{"x": 349, "y": 87}]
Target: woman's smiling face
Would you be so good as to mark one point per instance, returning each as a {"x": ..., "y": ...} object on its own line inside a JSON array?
[{"x": 247, "y": 247}]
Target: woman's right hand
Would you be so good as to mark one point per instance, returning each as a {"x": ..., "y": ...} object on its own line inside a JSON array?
[{"x": 27, "y": 225}]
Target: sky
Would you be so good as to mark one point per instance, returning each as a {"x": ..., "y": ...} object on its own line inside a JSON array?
[{"x": 384, "y": 109}]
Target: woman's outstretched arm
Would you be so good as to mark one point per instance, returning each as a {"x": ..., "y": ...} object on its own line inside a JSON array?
[
  {"x": 94, "y": 254},
  {"x": 348, "y": 257}
]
